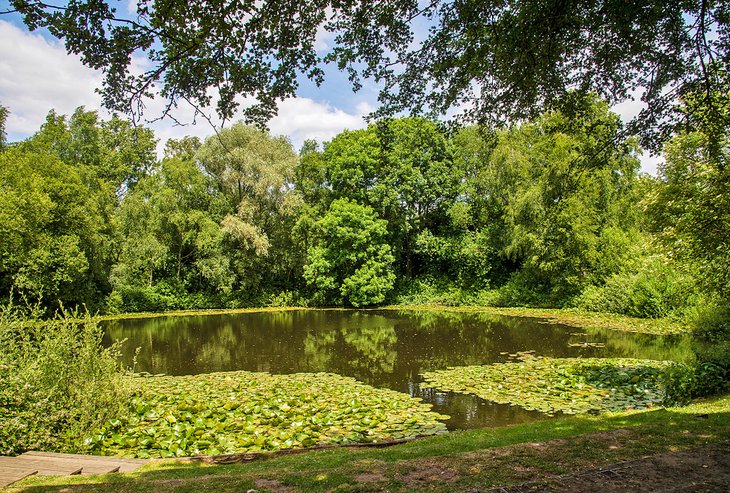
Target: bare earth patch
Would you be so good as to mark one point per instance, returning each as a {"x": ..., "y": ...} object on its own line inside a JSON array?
[
  {"x": 273, "y": 486},
  {"x": 371, "y": 477},
  {"x": 705, "y": 468}
]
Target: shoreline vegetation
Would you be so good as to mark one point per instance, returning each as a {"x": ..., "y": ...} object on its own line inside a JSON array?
[{"x": 571, "y": 317}]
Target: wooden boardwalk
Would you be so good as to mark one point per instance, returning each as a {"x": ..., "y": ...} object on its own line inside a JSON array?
[{"x": 14, "y": 469}]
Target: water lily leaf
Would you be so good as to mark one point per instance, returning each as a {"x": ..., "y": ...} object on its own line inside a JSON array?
[
  {"x": 568, "y": 385},
  {"x": 245, "y": 411}
]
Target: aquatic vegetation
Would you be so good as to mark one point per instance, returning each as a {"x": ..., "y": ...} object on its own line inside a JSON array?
[
  {"x": 241, "y": 411},
  {"x": 567, "y": 385}
]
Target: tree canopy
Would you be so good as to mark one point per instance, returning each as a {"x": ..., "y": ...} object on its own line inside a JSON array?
[
  {"x": 545, "y": 212},
  {"x": 495, "y": 60}
]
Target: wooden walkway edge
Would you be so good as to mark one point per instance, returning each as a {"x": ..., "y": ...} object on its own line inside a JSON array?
[{"x": 14, "y": 469}]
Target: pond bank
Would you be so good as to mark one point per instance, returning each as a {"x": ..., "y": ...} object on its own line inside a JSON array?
[
  {"x": 574, "y": 318},
  {"x": 461, "y": 461}
]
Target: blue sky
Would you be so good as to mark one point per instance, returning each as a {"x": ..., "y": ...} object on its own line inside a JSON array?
[{"x": 36, "y": 75}]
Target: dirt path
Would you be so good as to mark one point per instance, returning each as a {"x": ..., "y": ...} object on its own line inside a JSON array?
[{"x": 704, "y": 468}]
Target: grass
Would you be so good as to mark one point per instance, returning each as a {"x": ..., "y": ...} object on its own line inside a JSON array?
[{"x": 459, "y": 461}]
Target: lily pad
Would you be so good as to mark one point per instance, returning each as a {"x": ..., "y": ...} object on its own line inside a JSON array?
[
  {"x": 235, "y": 412},
  {"x": 567, "y": 385}
]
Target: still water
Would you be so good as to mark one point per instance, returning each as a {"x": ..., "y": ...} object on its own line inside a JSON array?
[{"x": 383, "y": 348}]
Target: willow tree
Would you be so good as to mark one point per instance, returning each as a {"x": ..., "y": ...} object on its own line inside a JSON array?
[{"x": 254, "y": 172}]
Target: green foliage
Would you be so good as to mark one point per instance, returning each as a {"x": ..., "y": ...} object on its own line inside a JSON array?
[
  {"x": 690, "y": 206},
  {"x": 545, "y": 213},
  {"x": 655, "y": 289},
  {"x": 711, "y": 323},
  {"x": 57, "y": 381},
  {"x": 351, "y": 262},
  {"x": 566, "y": 385},
  {"x": 49, "y": 228},
  {"x": 568, "y": 190},
  {"x": 254, "y": 171},
  {"x": 241, "y": 411},
  {"x": 488, "y": 59},
  {"x": 403, "y": 169}
]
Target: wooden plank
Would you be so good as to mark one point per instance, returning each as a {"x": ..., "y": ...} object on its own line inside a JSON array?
[
  {"x": 88, "y": 464},
  {"x": 46, "y": 466},
  {"x": 9, "y": 475},
  {"x": 109, "y": 458}
]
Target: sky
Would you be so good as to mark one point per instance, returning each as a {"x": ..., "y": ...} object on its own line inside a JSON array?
[{"x": 37, "y": 75}]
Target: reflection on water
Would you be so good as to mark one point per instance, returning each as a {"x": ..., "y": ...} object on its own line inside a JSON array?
[{"x": 381, "y": 348}]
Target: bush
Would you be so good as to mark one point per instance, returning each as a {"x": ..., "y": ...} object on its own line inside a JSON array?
[
  {"x": 430, "y": 291},
  {"x": 711, "y": 323},
  {"x": 658, "y": 289},
  {"x": 57, "y": 381}
]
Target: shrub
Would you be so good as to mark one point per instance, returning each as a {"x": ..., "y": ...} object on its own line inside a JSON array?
[
  {"x": 57, "y": 381},
  {"x": 657, "y": 289},
  {"x": 711, "y": 323}
]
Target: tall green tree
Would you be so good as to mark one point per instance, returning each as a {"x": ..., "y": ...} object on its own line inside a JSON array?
[
  {"x": 114, "y": 152},
  {"x": 403, "y": 169},
  {"x": 351, "y": 262},
  {"x": 690, "y": 207},
  {"x": 565, "y": 183},
  {"x": 169, "y": 229},
  {"x": 50, "y": 229},
  {"x": 255, "y": 172}
]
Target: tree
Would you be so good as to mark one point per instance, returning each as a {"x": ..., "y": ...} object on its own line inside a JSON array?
[
  {"x": 254, "y": 172},
  {"x": 170, "y": 230},
  {"x": 500, "y": 58},
  {"x": 403, "y": 169},
  {"x": 49, "y": 229},
  {"x": 564, "y": 185},
  {"x": 690, "y": 207},
  {"x": 114, "y": 151},
  {"x": 351, "y": 262}
]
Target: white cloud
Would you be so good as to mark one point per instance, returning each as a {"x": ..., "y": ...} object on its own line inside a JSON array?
[
  {"x": 37, "y": 75},
  {"x": 303, "y": 118},
  {"x": 299, "y": 119},
  {"x": 628, "y": 110}
]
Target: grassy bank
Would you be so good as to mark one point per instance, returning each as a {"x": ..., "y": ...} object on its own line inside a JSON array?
[{"x": 459, "y": 461}]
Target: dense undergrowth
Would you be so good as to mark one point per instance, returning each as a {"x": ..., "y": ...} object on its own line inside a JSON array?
[{"x": 57, "y": 381}]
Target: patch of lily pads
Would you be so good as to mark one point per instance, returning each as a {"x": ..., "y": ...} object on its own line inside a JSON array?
[
  {"x": 239, "y": 412},
  {"x": 566, "y": 385}
]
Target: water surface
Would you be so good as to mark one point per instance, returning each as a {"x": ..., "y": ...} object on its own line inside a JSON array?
[{"x": 383, "y": 348}]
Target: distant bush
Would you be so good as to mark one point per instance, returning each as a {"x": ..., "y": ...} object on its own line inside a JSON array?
[
  {"x": 430, "y": 291},
  {"x": 57, "y": 381},
  {"x": 657, "y": 289},
  {"x": 711, "y": 322},
  {"x": 162, "y": 297}
]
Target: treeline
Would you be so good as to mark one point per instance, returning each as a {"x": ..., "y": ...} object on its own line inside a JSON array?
[{"x": 550, "y": 212}]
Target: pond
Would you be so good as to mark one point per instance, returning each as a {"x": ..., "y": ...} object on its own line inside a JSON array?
[{"x": 383, "y": 348}]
